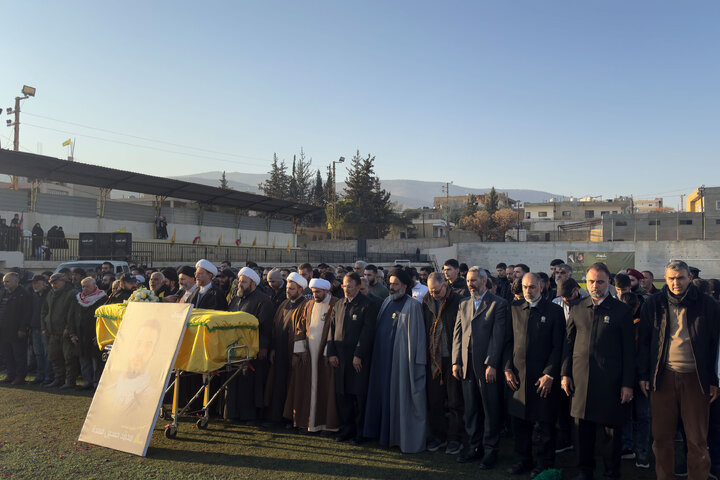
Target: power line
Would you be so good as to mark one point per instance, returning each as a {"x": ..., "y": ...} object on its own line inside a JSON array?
[
  {"x": 145, "y": 138},
  {"x": 81, "y": 135}
]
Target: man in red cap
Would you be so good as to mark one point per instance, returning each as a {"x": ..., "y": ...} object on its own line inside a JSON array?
[{"x": 637, "y": 289}]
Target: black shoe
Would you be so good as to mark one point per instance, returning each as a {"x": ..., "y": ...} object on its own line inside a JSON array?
[
  {"x": 627, "y": 454},
  {"x": 488, "y": 461},
  {"x": 67, "y": 386},
  {"x": 37, "y": 381},
  {"x": 643, "y": 460},
  {"x": 357, "y": 441},
  {"x": 537, "y": 471},
  {"x": 54, "y": 384},
  {"x": 453, "y": 448},
  {"x": 469, "y": 456},
  {"x": 344, "y": 437},
  {"x": 563, "y": 447},
  {"x": 435, "y": 444},
  {"x": 18, "y": 381},
  {"x": 519, "y": 468}
]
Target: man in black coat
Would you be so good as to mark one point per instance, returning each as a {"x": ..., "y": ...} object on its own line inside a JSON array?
[
  {"x": 349, "y": 349},
  {"x": 15, "y": 315},
  {"x": 532, "y": 367},
  {"x": 598, "y": 371},
  {"x": 451, "y": 270},
  {"x": 677, "y": 356},
  {"x": 478, "y": 344},
  {"x": 440, "y": 307},
  {"x": 207, "y": 295},
  {"x": 246, "y": 394}
]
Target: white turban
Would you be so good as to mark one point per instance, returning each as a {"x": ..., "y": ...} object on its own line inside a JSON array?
[
  {"x": 207, "y": 265},
  {"x": 320, "y": 283},
  {"x": 251, "y": 274},
  {"x": 297, "y": 278}
]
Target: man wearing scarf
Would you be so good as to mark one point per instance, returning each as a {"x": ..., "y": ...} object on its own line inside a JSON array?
[
  {"x": 311, "y": 401},
  {"x": 81, "y": 325},
  {"x": 396, "y": 410},
  {"x": 676, "y": 364},
  {"x": 440, "y": 307},
  {"x": 532, "y": 369}
]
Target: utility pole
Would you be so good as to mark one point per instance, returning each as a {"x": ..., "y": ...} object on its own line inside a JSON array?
[
  {"x": 334, "y": 199},
  {"x": 447, "y": 211},
  {"x": 701, "y": 191},
  {"x": 27, "y": 92}
]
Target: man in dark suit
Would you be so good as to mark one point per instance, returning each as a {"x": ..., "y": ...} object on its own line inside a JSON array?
[
  {"x": 598, "y": 371},
  {"x": 349, "y": 349},
  {"x": 478, "y": 344},
  {"x": 207, "y": 295},
  {"x": 532, "y": 364}
]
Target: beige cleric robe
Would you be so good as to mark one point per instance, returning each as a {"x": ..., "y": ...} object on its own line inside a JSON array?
[{"x": 311, "y": 401}]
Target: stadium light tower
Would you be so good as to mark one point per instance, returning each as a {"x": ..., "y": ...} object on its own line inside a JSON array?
[{"x": 27, "y": 93}]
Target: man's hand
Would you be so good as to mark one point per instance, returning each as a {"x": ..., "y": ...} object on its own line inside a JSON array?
[
  {"x": 644, "y": 387},
  {"x": 272, "y": 357},
  {"x": 334, "y": 361},
  {"x": 568, "y": 386},
  {"x": 262, "y": 354},
  {"x": 512, "y": 380},
  {"x": 74, "y": 339},
  {"x": 714, "y": 392},
  {"x": 357, "y": 364},
  {"x": 626, "y": 394},
  {"x": 22, "y": 334},
  {"x": 544, "y": 385},
  {"x": 457, "y": 371},
  {"x": 45, "y": 334},
  {"x": 490, "y": 374}
]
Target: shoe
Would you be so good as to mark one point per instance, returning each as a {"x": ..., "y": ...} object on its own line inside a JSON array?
[
  {"x": 519, "y": 468},
  {"x": 54, "y": 384},
  {"x": 85, "y": 386},
  {"x": 18, "y": 381},
  {"x": 67, "y": 386},
  {"x": 488, "y": 461},
  {"x": 627, "y": 454},
  {"x": 643, "y": 460},
  {"x": 537, "y": 470},
  {"x": 564, "y": 447},
  {"x": 357, "y": 441},
  {"x": 469, "y": 456},
  {"x": 453, "y": 448},
  {"x": 433, "y": 444},
  {"x": 7, "y": 380},
  {"x": 37, "y": 381},
  {"x": 343, "y": 437}
]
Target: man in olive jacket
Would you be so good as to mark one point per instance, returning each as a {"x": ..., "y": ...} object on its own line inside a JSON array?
[
  {"x": 15, "y": 315},
  {"x": 598, "y": 371},
  {"x": 55, "y": 316},
  {"x": 677, "y": 353}
]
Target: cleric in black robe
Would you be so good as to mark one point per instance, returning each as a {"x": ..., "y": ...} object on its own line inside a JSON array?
[
  {"x": 207, "y": 295},
  {"x": 281, "y": 347},
  {"x": 532, "y": 359},
  {"x": 244, "y": 399}
]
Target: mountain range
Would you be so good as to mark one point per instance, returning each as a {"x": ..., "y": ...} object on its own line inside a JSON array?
[{"x": 408, "y": 193}]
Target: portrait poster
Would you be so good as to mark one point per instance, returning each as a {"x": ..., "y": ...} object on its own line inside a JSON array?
[
  {"x": 128, "y": 398},
  {"x": 615, "y": 261}
]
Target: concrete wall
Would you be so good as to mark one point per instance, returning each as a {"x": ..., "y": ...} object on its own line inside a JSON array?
[
  {"x": 145, "y": 231},
  {"x": 11, "y": 260},
  {"x": 651, "y": 256},
  {"x": 380, "y": 245}
]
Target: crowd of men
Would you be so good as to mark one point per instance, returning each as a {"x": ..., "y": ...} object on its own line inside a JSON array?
[{"x": 427, "y": 360}]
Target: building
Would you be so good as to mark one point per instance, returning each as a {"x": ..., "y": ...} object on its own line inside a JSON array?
[
  {"x": 575, "y": 210},
  {"x": 459, "y": 202},
  {"x": 649, "y": 206}
]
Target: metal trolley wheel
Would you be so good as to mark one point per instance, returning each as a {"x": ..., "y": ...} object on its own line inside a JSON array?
[
  {"x": 170, "y": 431},
  {"x": 202, "y": 423}
]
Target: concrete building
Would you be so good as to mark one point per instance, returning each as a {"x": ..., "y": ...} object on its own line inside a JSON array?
[
  {"x": 459, "y": 202},
  {"x": 575, "y": 210},
  {"x": 649, "y": 206}
]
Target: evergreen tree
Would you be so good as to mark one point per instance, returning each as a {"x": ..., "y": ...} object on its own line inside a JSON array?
[
  {"x": 223, "y": 182},
  {"x": 278, "y": 185},
  {"x": 303, "y": 178},
  {"x": 470, "y": 206},
  {"x": 491, "y": 201},
  {"x": 293, "y": 187}
]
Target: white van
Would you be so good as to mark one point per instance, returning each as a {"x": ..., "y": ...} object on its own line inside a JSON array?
[{"x": 91, "y": 265}]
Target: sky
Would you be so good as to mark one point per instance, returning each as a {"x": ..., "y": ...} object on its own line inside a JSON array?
[{"x": 598, "y": 98}]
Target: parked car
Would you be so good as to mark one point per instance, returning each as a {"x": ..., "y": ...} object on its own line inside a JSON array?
[{"x": 91, "y": 265}]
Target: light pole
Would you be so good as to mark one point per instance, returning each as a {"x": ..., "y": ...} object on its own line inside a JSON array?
[
  {"x": 27, "y": 92},
  {"x": 334, "y": 199},
  {"x": 701, "y": 191}
]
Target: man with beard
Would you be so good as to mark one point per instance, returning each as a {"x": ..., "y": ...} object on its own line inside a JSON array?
[
  {"x": 157, "y": 285},
  {"x": 396, "y": 403},
  {"x": 376, "y": 287},
  {"x": 44, "y": 373},
  {"x": 440, "y": 307},
  {"x": 82, "y": 331},
  {"x": 225, "y": 282},
  {"x": 635, "y": 279},
  {"x": 171, "y": 280},
  {"x": 281, "y": 347},
  {"x": 677, "y": 362},
  {"x": 245, "y": 398},
  {"x": 311, "y": 403},
  {"x": 186, "y": 279},
  {"x": 375, "y": 301},
  {"x": 207, "y": 295},
  {"x": 15, "y": 315},
  {"x": 61, "y": 351},
  {"x": 598, "y": 371},
  {"x": 478, "y": 345},
  {"x": 349, "y": 350},
  {"x": 451, "y": 269},
  {"x": 532, "y": 363},
  {"x": 276, "y": 286},
  {"x": 306, "y": 271},
  {"x": 128, "y": 284}
]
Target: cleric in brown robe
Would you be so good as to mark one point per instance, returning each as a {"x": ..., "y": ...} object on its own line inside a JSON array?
[
  {"x": 311, "y": 401},
  {"x": 281, "y": 347}
]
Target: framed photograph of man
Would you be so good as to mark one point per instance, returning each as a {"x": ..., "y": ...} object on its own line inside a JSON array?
[{"x": 125, "y": 407}]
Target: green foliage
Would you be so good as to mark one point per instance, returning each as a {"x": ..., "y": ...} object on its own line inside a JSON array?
[
  {"x": 278, "y": 185},
  {"x": 223, "y": 182},
  {"x": 491, "y": 201}
]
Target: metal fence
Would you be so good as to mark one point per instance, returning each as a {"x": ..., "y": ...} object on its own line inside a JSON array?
[{"x": 148, "y": 253}]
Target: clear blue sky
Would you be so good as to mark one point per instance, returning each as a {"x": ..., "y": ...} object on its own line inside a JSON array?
[{"x": 573, "y": 97}]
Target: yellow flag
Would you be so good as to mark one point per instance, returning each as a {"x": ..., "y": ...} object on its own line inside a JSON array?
[
  {"x": 172, "y": 240},
  {"x": 122, "y": 230},
  {"x": 273, "y": 242},
  {"x": 254, "y": 242},
  {"x": 288, "y": 249},
  {"x": 219, "y": 240},
  {"x": 66, "y": 142}
]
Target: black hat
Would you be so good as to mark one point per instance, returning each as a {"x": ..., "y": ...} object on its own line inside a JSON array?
[
  {"x": 401, "y": 275},
  {"x": 695, "y": 272},
  {"x": 565, "y": 287},
  {"x": 186, "y": 270},
  {"x": 127, "y": 277},
  {"x": 38, "y": 278}
]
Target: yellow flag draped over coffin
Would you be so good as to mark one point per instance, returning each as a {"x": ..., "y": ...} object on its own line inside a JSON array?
[{"x": 206, "y": 341}]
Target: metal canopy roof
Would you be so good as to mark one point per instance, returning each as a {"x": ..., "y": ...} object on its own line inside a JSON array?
[{"x": 22, "y": 164}]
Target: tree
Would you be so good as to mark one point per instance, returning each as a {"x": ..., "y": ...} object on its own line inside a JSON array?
[
  {"x": 490, "y": 227},
  {"x": 370, "y": 213},
  {"x": 319, "y": 199},
  {"x": 471, "y": 206},
  {"x": 491, "y": 201},
  {"x": 302, "y": 176},
  {"x": 223, "y": 182},
  {"x": 277, "y": 185}
]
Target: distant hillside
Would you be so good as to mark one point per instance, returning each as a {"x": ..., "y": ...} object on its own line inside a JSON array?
[{"x": 408, "y": 193}]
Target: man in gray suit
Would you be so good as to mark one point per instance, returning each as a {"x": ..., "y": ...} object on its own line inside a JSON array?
[{"x": 478, "y": 342}]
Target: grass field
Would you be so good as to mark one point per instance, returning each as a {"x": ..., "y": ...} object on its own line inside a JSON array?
[{"x": 39, "y": 430}]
